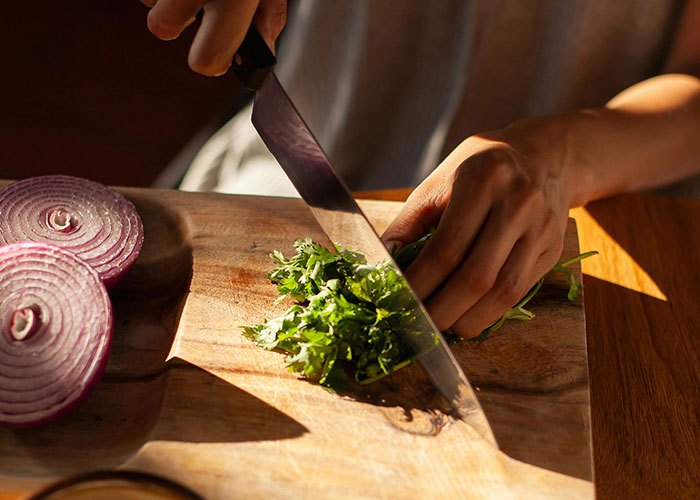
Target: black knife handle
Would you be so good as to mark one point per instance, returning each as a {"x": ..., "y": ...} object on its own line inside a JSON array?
[{"x": 254, "y": 60}]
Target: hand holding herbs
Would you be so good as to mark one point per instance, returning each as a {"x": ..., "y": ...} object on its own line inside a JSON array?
[{"x": 348, "y": 315}]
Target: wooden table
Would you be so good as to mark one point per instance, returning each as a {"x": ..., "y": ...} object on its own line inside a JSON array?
[
  {"x": 644, "y": 348},
  {"x": 643, "y": 328}
]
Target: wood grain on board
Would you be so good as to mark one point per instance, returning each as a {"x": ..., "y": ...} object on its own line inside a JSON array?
[
  {"x": 643, "y": 330},
  {"x": 186, "y": 397}
]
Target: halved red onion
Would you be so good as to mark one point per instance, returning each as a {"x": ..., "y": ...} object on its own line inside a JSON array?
[
  {"x": 86, "y": 217},
  {"x": 55, "y": 332}
]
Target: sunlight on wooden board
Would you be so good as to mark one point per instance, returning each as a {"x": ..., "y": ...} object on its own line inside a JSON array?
[
  {"x": 618, "y": 266},
  {"x": 9, "y": 495}
]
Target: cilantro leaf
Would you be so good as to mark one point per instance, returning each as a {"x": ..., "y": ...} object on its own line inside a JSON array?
[{"x": 350, "y": 316}]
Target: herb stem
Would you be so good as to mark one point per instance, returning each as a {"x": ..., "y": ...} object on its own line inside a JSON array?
[
  {"x": 577, "y": 258},
  {"x": 397, "y": 366}
]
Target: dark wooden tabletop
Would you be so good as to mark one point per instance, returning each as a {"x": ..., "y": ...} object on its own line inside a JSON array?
[{"x": 643, "y": 328}]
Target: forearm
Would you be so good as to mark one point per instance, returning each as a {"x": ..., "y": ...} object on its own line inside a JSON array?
[
  {"x": 500, "y": 200},
  {"x": 646, "y": 136}
]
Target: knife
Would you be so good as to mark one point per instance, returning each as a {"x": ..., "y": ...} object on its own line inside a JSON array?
[{"x": 286, "y": 135}]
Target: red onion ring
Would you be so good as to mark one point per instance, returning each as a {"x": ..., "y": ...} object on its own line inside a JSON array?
[
  {"x": 55, "y": 332},
  {"x": 86, "y": 217}
]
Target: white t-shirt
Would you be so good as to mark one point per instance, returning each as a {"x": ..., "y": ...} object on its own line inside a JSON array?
[{"x": 390, "y": 87}]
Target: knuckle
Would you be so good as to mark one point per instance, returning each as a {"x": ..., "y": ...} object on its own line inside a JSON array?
[
  {"x": 550, "y": 223},
  {"x": 207, "y": 64},
  {"x": 425, "y": 204},
  {"x": 528, "y": 199},
  {"x": 487, "y": 167},
  {"x": 509, "y": 290},
  {"x": 549, "y": 256},
  {"x": 278, "y": 17},
  {"x": 448, "y": 253},
  {"x": 499, "y": 171},
  {"x": 480, "y": 280},
  {"x": 466, "y": 171},
  {"x": 442, "y": 323},
  {"x": 161, "y": 28},
  {"x": 532, "y": 197}
]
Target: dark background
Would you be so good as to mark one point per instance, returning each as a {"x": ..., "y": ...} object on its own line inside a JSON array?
[{"x": 86, "y": 90}]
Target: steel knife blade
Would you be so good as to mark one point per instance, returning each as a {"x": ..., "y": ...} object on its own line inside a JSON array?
[{"x": 288, "y": 138}]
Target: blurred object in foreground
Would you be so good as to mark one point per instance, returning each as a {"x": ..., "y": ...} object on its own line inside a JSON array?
[{"x": 116, "y": 485}]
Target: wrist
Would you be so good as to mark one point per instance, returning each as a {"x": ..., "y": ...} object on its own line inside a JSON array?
[{"x": 563, "y": 144}]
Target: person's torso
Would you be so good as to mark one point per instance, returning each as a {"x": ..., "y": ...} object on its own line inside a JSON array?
[{"x": 391, "y": 86}]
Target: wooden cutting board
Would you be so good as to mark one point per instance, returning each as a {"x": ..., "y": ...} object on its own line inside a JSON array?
[{"x": 186, "y": 397}]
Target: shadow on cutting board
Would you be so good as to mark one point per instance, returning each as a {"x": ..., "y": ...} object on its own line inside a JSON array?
[
  {"x": 183, "y": 403},
  {"x": 143, "y": 395},
  {"x": 530, "y": 377},
  {"x": 199, "y": 407}
]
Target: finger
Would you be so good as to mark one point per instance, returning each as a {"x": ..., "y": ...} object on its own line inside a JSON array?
[
  {"x": 223, "y": 28},
  {"x": 518, "y": 275},
  {"x": 270, "y": 18},
  {"x": 477, "y": 274},
  {"x": 416, "y": 218},
  {"x": 148, "y": 3},
  {"x": 514, "y": 280},
  {"x": 465, "y": 214},
  {"x": 168, "y": 18},
  {"x": 425, "y": 205},
  {"x": 519, "y": 213}
]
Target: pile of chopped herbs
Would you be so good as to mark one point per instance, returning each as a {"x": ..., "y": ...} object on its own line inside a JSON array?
[{"x": 351, "y": 315}]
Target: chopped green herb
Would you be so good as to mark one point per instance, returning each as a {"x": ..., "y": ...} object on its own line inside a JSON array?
[{"x": 349, "y": 314}]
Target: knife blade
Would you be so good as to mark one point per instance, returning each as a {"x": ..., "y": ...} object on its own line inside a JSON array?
[{"x": 290, "y": 141}]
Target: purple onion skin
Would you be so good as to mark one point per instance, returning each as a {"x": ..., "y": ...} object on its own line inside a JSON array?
[
  {"x": 96, "y": 223},
  {"x": 49, "y": 370}
]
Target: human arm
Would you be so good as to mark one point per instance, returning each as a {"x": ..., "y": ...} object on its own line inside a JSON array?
[
  {"x": 500, "y": 201},
  {"x": 224, "y": 25}
]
